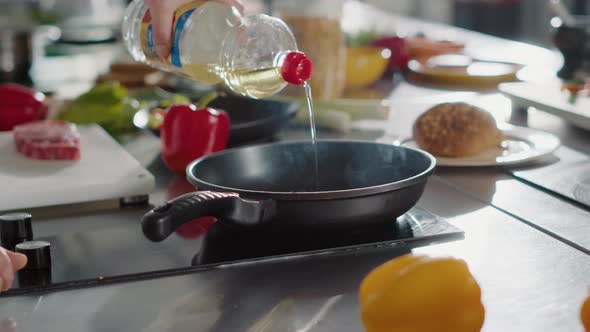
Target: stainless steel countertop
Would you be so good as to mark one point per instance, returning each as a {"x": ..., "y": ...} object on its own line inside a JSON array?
[
  {"x": 530, "y": 282},
  {"x": 527, "y": 248}
]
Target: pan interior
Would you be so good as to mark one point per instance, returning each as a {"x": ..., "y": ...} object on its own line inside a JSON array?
[{"x": 289, "y": 167}]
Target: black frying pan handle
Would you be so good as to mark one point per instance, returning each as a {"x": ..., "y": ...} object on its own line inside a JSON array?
[{"x": 161, "y": 221}]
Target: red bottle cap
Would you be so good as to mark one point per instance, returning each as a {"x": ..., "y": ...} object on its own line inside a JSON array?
[{"x": 296, "y": 68}]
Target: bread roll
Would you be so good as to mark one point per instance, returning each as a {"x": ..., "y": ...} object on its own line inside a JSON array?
[{"x": 456, "y": 130}]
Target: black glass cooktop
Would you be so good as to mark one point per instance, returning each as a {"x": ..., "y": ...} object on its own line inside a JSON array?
[{"x": 123, "y": 253}]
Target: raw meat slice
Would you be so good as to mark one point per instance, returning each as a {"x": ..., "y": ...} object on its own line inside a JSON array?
[{"x": 48, "y": 140}]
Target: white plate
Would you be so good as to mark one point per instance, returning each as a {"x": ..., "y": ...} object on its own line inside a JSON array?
[{"x": 521, "y": 145}]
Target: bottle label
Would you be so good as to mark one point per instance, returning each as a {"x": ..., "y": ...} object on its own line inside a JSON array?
[{"x": 181, "y": 15}]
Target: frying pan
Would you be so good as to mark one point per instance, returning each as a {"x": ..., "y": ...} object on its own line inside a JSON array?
[
  {"x": 255, "y": 119},
  {"x": 274, "y": 186}
]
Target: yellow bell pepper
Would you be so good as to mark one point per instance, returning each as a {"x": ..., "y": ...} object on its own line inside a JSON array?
[
  {"x": 585, "y": 314},
  {"x": 415, "y": 293}
]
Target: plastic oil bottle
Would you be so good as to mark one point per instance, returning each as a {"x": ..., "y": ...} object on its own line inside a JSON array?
[{"x": 254, "y": 56}]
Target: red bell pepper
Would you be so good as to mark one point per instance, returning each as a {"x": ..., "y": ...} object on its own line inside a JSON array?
[
  {"x": 19, "y": 104},
  {"x": 189, "y": 133}
]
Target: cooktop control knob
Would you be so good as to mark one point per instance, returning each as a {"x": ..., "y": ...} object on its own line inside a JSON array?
[
  {"x": 38, "y": 254},
  {"x": 15, "y": 228}
]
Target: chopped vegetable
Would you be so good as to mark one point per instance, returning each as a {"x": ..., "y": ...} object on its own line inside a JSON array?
[
  {"x": 156, "y": 101},
  {"x": 156, "y": 118}
]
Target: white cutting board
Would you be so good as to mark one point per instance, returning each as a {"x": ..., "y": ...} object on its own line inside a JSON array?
[
  {"x": 549, "y": 98},
  {"x": 105, "y": 171}
]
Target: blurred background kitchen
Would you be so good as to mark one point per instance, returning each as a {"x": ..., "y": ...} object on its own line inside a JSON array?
[{"x": 36, "y": 35}]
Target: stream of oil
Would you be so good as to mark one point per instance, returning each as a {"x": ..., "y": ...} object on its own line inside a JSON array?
[{"x": 314, "y": 145}]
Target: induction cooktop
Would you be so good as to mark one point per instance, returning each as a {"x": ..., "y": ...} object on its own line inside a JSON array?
[{"x": 122, "y": 253}]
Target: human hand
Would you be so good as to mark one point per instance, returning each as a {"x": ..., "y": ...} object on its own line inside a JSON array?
[
  {"x": 162, "y": 12},
  {"x": 10, "y": 262}
]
